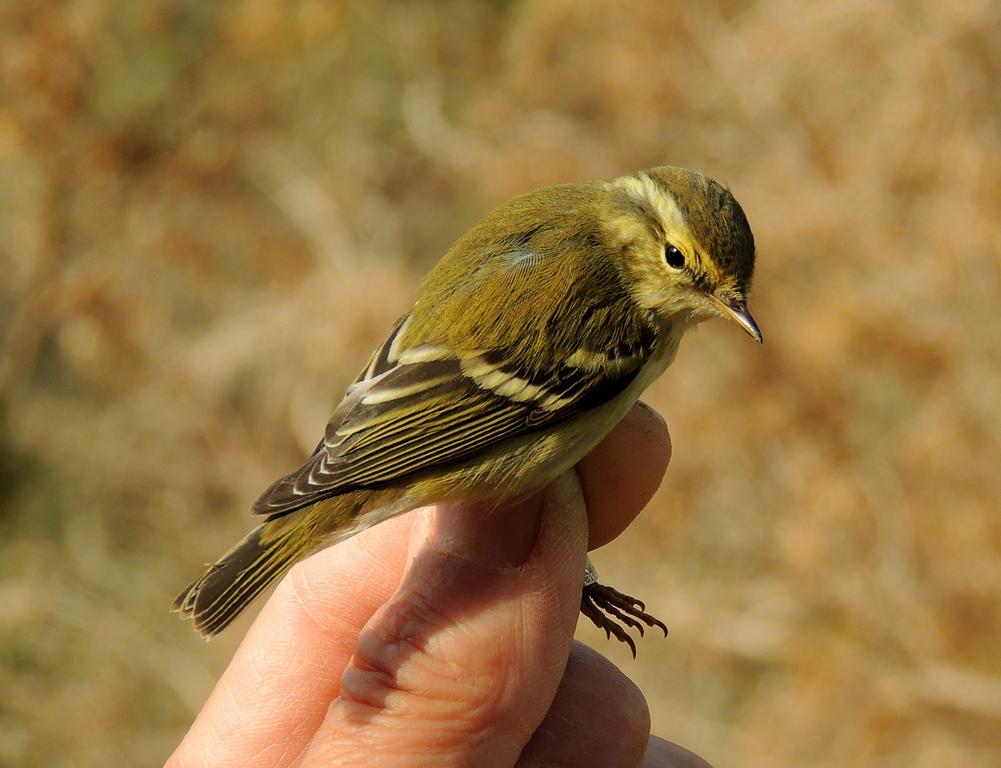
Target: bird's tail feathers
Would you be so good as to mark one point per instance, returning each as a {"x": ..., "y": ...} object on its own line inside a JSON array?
[{"x": 220, "y": 594}]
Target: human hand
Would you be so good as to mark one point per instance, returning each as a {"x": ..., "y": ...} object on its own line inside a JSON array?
[{"x": 445, "y": 637}]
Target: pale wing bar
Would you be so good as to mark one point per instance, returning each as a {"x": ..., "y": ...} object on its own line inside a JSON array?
[{"x": 417, "y": 416}]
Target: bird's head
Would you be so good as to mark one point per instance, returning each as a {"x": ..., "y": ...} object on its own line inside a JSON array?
[{"x": 686, "y": 245}]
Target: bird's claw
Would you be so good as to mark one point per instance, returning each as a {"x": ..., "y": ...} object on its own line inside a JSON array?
[{"x": 608, "y": 609}]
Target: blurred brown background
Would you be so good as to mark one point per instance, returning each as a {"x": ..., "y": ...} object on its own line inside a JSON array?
[{"x": 210, "y": 212}]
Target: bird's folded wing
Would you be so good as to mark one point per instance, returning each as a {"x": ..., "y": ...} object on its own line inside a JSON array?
[{"x": 431, "y": 407}]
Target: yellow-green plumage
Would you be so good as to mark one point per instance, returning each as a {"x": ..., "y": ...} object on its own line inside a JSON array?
[{"x": 530, "y": 339}]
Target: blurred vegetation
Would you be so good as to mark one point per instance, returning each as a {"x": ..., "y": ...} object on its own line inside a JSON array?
[{"x": 210, "y": 212}]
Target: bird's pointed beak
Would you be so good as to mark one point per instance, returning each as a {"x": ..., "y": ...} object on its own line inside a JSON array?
[{"x": 737, "y": 311}]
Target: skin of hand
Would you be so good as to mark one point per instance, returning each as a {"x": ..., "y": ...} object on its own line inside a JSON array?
[{"x": 445, "y": 638}]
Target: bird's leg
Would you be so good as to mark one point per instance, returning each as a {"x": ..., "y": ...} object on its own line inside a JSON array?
[{"x": 612, "y": 611}]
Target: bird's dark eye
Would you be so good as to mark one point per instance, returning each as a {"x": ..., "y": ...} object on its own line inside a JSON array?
[{"x": 674, "y": 258}]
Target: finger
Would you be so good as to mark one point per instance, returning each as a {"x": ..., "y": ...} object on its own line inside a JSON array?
[
  {"x": 623, "y": 472},
  {"x": 598, "y": 719},
  {"x": 666, "y": 754},
  {"x": 275, "y": 691},
  {"x": 464, "y": 661}
]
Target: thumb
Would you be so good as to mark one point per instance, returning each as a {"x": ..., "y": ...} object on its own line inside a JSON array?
[{"x": 461, "y": 665}]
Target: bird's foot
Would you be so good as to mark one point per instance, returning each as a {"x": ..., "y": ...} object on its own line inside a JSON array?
[{"x": 616, "y": 613}]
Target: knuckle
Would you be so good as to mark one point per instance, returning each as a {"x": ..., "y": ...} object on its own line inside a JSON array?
[{"x": 416, "y": 661}]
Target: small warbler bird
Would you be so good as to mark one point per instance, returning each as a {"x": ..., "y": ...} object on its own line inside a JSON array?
[{"x": 530, "y": 339}]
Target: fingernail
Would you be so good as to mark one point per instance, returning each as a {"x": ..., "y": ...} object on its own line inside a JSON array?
[
  {"x": 649, "y": 409},
  {"x": 502, "y": 536}
]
